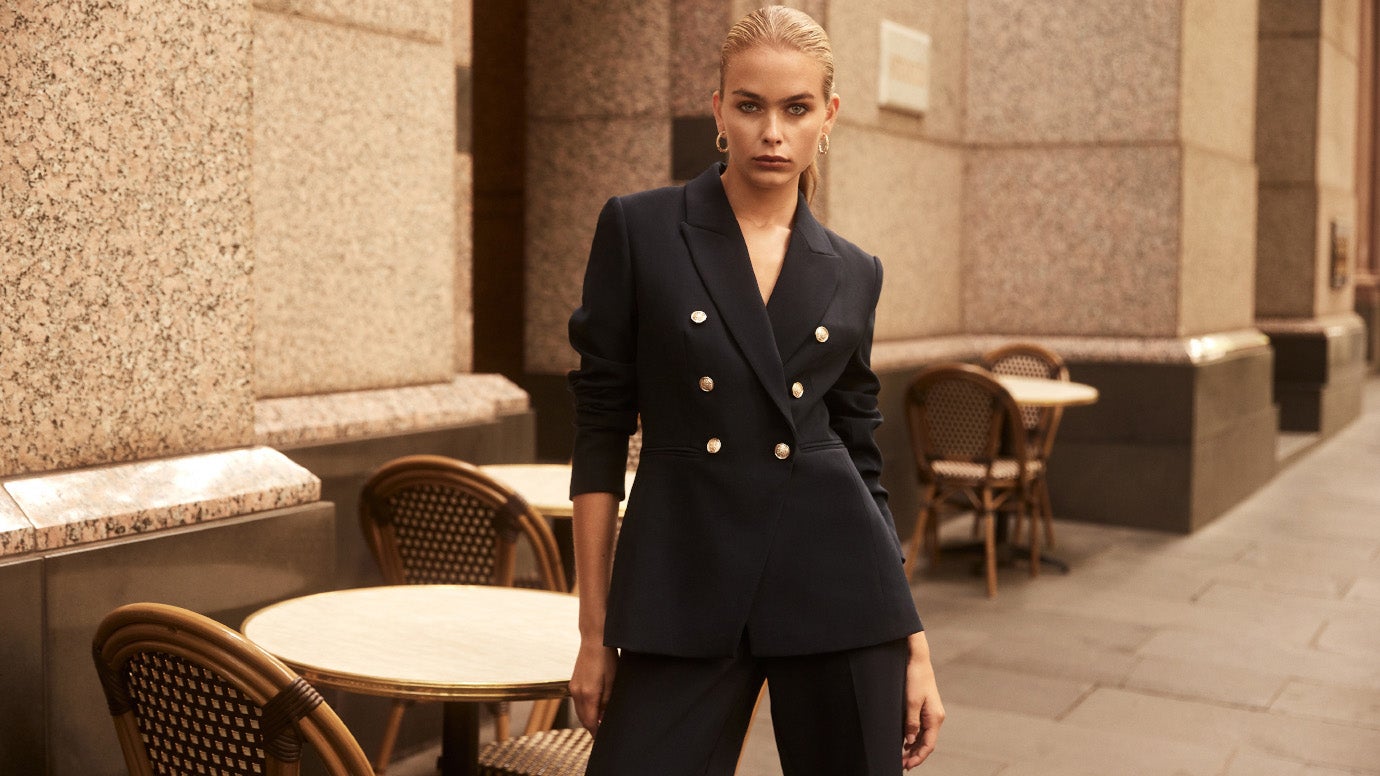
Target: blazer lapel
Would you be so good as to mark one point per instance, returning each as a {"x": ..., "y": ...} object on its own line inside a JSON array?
[
  {"x": 721, "y": 259},
  {"x": 806, "y": 286}
]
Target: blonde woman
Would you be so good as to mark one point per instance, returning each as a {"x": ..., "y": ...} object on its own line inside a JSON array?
[{"x": 757, "y": 543}]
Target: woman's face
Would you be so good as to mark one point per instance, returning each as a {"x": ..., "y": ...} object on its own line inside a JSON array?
[{"x": 772, "y": 108}]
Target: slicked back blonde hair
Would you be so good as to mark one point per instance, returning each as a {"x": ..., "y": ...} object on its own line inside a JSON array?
[{"x": 780, "y": 27}]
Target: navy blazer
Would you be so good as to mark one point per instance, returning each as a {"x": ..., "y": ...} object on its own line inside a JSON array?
[{"x": 757, "y": 510}]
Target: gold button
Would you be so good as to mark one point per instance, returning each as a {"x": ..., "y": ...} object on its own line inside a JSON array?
[
  {"x": 797, "y": 390},
  {"x": 822, "y": 334},
  {"x": 783, "y": 450},
  {"x": 706, "y": 384},
  {"x": 698, "y": 317},
  {"x": 713, "y": 445}
]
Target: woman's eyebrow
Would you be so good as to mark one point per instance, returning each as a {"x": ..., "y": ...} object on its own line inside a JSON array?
[{"x": 759, "y": 98}]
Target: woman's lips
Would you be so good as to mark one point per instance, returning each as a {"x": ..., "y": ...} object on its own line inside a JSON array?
[{"x": 771, "y": 161}]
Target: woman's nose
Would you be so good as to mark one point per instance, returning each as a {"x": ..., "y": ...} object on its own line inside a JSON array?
[{"x": 771, "y": 132}]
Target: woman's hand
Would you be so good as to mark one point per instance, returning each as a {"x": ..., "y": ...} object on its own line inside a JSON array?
[
  {"x": 591, "y": 682},
  {"x": 924, "y": 710}
]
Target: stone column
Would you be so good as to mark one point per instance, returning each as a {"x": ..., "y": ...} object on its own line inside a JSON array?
[
  {"x": 126, "y": 354},
  {"x": 598, "y": 125},
  {"x": 1306, "y": 146},
  {"x": 354, "y": 198},
  {"x": 1109, "y": 211}
]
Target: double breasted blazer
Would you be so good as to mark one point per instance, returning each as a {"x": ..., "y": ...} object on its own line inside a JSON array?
[{"x": 757, "y": 512}]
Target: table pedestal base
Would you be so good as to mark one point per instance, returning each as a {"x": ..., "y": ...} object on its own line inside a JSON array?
[{"x": 459, "y": 740}]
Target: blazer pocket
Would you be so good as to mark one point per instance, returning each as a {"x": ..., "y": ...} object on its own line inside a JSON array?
[
  {"x": 674, "y": 452},
  {"x": 828, "y": 444}
]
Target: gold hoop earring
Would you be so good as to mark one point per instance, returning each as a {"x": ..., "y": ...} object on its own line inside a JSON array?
[
  {"x": 823, "y": 145},
  {"x": 721, "y": 143}
]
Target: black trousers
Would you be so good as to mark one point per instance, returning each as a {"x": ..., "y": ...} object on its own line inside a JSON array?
[{"x": 834, "y": 714}]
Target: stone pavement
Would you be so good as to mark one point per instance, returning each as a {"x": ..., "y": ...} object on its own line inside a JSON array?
[{"x": 1250, "y": 648}]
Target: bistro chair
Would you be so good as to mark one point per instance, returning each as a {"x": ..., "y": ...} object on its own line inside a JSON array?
[
  {"x": 1026, "y": 359},
  {"x": 559, "y": 752},
  {"x": 433, "y": 520},
  {"x": 958, "y": 417},
  {"x": 191, "y": 696}
]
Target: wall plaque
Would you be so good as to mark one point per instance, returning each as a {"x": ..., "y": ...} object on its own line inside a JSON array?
[{"x": 904, "y": 75}]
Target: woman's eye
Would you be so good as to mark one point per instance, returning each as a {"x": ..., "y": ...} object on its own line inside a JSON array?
[
  {"x": 747, "y": 107},
  {"x": 797, "y": 110}
]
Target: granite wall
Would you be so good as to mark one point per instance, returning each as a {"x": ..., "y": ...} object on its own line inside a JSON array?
[
  {"x": 598, "y": 113},
  {"x": 1110, "y": 182},
  {"x": 125, "y": 231},
  {"x": 893, "y": 181},
  {"x": 355, "y": 224},
  {"x": 1306, "y": 144}
]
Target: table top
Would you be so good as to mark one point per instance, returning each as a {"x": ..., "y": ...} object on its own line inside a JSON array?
[
  {"x": 1040, "y": 392},
  {"x": 438, "y": 642},
  {"x": 546, "y": 486}
]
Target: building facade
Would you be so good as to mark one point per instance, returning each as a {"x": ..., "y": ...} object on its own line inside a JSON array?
[{"x": 250, "y": 250}]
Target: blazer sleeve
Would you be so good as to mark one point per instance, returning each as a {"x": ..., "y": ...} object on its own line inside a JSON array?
[
  {"x": 603, "y": 330},
  {"x": 853, "y": 410}
]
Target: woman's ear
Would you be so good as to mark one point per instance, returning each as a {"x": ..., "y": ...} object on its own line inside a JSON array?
[
  {"x": 831, "y": 111},
  {"x": 717, "y": 102}
]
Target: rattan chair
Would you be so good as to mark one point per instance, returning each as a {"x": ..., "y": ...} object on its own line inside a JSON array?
[
  {"x": 561, "y": 752},
  {"x": 1025, "y": 359},
  {"x": 958, "y": 417},
  {"x": 433, "y": 520},
  {"x": 191, "y": 696}
]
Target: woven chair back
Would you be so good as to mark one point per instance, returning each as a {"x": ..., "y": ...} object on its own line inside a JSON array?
[
  {"x": 191, "y": 696},
  {"x": 1026, "y": 359},
  {"x": 957, "y": 412},
  {"x": 435, "y": 520}
]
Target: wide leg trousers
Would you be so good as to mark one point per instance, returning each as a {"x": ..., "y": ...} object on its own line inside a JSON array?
[{"x": 834, "y": 714}]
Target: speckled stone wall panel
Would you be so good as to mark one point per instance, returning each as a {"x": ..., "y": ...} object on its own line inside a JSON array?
[
  {"x": 581, "y": 164},
  {"x": 1285, "y": 250},
  {"x": 464, "y": 262},
  {"x": 354, "y": 208},
  {"x": 697, "y": 31},
  {"x": 462, "y": 31},
  {"x": 900, "y": 198},
  {"x": 1217, "y": 103},
  {"x": 597, "y": 59},
  {"x": 1073, "y": 70},
  {"x": 427, "y": 20},
  {"x": 1341, "y": 25},
  {"x": 855, "y": 31},
  {"x": 1286, "y": 129},
  {"x": 1336, "y": 116},
  {"x": 124, "y": 231},
  {"x": 1081, "y": 241},
  {"x": 1217, "y": 281},
  {"x": 16, "y": 532},
  {"x": 599, "y": 124}
]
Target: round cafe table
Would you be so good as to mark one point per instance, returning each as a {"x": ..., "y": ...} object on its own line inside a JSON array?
[
  {"x": 1042, "y": 392},
  {"x": 545, "y": 486},
  {"x": 459, "y": 644}
]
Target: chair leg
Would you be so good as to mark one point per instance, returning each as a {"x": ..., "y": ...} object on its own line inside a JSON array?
[
  {"x": 502, "y": 725},
  {"x": 543, "y": 716},
  {"x": 917, "y": 540},
  {"x": 1027, "y": 506},
  {"x": 1046, "y": 512},
  {"x": 933, "y": 529},
  {"x": 989, "y": 542},
  {"x": 390, "y": 736}
]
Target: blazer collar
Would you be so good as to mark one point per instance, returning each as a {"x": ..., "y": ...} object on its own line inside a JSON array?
[{"x": 767, "y": 335}]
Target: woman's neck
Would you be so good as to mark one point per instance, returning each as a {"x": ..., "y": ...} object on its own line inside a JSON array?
[{"x": 774, "y": 207}]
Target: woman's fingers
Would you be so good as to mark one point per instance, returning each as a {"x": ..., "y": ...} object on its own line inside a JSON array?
[{"x": 591, "y": 684}]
